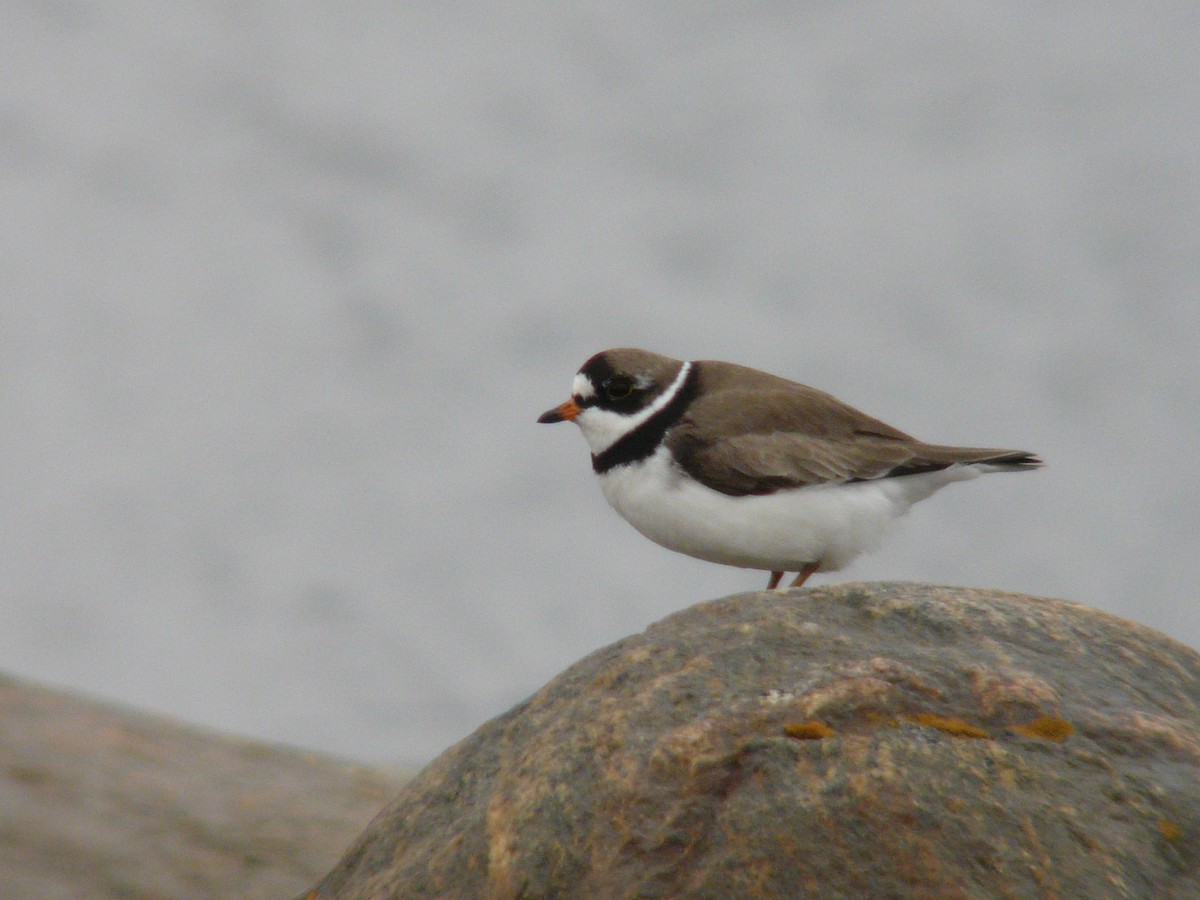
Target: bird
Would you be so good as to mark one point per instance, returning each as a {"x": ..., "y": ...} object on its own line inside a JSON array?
[{"x": 740, "y": 467}]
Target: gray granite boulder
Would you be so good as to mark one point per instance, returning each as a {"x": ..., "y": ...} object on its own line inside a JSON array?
[{"x": 860, "y": 740}]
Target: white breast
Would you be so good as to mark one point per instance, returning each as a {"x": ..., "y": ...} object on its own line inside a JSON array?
[{"x": 784, "y": 531}]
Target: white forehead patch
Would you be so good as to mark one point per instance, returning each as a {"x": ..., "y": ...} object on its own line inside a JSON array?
[{"x": 583, "y": 387}]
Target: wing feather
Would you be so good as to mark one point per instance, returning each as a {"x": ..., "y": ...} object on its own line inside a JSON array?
[{"x": 776, "y": 434}]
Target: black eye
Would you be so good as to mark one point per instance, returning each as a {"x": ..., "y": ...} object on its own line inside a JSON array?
[{"x": 618, "y": 389}]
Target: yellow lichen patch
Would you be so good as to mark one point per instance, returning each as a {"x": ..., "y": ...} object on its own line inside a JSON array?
[
  {"x": 808, "y": 731},
  {"x": 951, "y": 726},
  {"x": 1047, "y": 728},
  {"x": 1171, "y": 831}
]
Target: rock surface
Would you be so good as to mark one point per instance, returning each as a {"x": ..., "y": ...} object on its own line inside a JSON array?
[
  {"x": 97, "y": 803},
  {"x": 861, "y": 740}
]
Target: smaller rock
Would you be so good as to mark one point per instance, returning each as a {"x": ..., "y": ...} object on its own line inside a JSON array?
[{"x": 99, "y": 802}]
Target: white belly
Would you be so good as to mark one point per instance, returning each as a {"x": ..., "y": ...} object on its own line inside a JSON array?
[{"x": 785, "y": 531}]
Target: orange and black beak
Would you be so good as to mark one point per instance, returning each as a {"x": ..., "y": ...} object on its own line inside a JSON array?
[{"x": 564, "y": 413}]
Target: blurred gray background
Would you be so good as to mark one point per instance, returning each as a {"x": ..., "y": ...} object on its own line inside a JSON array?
[{"x": 285, "y": 286}]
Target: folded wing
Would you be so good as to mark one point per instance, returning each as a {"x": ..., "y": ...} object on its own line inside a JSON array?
[{"x": 798, "y": 436}]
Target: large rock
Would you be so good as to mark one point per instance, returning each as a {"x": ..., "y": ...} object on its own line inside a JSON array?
[
  {"x": 862, "y": 740},
  {"x": 98, "y": 802}
]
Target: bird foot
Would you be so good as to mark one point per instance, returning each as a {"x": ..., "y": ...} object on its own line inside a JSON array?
[{"x": 801, "y": 577}]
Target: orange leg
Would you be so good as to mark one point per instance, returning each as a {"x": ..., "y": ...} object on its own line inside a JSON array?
[
  {"x": 774, "y": 582},
  {"x": 804, "y": 573}
]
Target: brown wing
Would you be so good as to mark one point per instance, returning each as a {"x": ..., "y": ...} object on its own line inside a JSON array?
[
  {"x": 775, "y": 434},
  {"x": 765, "y": 463}
]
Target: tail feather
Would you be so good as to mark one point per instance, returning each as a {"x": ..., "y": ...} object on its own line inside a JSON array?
[
  {"x": 933, "y": 458},
  {"x": 1012, "y": 461}
]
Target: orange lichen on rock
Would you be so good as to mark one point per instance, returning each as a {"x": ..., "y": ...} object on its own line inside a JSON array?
[
  {"x": 808, "y": 731},
  {"x": 1170, "y": 830},
  {"x": 1047, "y": 728},
  {"x": 951, "y": 726}
]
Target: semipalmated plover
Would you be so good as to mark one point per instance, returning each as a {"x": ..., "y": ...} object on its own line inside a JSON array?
[{"x": 740, "y": 467}]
